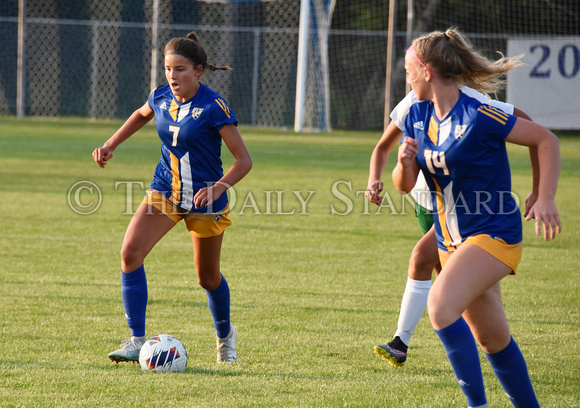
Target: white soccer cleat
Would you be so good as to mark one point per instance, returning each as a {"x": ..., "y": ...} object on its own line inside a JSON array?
[
  {"x": 129, "y": 351},
  {"x": 226, "y": 348}
]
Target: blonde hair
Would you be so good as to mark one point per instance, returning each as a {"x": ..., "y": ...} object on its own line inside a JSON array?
[
  {"x": 453, "y": 58},
  {"x": 191, "y": 48}
]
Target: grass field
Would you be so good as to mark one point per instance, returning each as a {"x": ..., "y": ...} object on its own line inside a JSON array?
[{"x": 316, "y": 280}]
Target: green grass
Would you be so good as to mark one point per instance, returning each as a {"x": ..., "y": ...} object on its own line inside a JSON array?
[{"x": 314, "y": 286}]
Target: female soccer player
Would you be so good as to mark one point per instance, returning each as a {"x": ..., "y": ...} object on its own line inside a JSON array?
[
  {"x": 188, "y": 184},
  {"x": 459, "y": 145},
  {"x": 424, "y": 258}
]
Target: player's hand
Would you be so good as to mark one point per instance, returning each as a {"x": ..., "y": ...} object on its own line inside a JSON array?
[
  {"x": 408, "y": 151},
  {"x": 530, "y": 201},
  {"x": 545, "y": 213},
  {"x": 203, "y": 198},
  {"x": 374, "y": 189},
  {"x": 101, "y": 155},
  {"x": 206, "y": 196}
]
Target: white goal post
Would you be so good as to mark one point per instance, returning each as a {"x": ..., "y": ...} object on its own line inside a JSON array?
[{"x": 313, "y": 63}]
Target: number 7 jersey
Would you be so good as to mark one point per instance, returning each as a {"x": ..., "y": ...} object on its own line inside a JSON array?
[
  {"x": 190, "y": 145},
  {"x": 464, "y": 160}
]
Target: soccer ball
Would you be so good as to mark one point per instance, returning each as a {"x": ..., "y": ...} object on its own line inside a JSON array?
[{"x": 163, "y": 353}]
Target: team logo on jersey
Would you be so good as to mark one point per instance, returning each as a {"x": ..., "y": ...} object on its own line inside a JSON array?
[
  {"x": 460, "y": 131},
  {"x": 195, "y": 112},
  {"x": 419, "y": 125}
]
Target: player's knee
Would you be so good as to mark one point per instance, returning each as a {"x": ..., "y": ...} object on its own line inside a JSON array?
[
  {"x": 421, "y": 266},
  {"x": 441, "y": 313},
  {"x": 435, "y": 315},
  {"x": 491, "y": 341},
  {"x": 485, "y": 342},
  {"x": 209, "y": 281},
  {"x": 131, "y": 258}
]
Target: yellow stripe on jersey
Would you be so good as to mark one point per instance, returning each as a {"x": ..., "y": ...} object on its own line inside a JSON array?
[
  {"x": 176, "y": 181},
  {"x": 441, "y": 214},
  {"x": 433, "y": 131},
  {"x": 224, "y": 107},
  {"x": 173, "y": 110},
  {"x": 494, "y": 113}
]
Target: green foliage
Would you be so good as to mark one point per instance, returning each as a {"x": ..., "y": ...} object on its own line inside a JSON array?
[
  {"x": 516, "y": 17},
  {"x": 361, "y": 15},
  {"x": 312, "y": 292}
]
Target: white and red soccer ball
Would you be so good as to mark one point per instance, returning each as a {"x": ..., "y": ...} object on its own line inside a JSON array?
[{"x": 163, "y": 353}]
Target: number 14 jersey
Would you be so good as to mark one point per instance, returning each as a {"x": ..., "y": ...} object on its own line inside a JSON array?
[{"x": 464, "y": 160}]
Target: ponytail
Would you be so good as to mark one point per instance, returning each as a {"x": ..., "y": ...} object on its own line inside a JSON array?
[{"x": 453, "y": 58}]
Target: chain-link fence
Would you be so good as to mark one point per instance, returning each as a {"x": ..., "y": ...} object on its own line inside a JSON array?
[
  {"x": 101, "y": 58},
  {"x": 94, "y": 58}
]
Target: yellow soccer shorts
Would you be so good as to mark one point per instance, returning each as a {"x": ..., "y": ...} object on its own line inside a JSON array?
[
  {"x": 201, "y": 225},
  {"x": 509, "y": 254}
]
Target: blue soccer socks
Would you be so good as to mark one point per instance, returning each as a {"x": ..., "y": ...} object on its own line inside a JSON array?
[
  {"x": 135, "y": 296},
  {"x": 464, "y": 358},
  {"x": 512, "y": 372},
  {"x": 219, "y": 305},
  {"x": 509, "y": 367}
]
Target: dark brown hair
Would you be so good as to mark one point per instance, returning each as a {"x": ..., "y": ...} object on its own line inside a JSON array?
[{"x": 190, "y": 47}]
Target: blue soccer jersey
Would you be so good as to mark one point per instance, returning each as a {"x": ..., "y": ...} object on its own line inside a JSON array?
[
  {"x": 190, "y": 145},
  {"x": 465, "y": 163}
]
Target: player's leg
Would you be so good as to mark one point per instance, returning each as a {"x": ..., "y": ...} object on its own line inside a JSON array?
[
  {"x": 146, "y": 228},
  {"x": 470, "y": 274},
  {"x": 424, "y": 259},
  {"x": 488, "y": 323},
  {"x": 207, "y": 234},
  {"x": 207, "y": 265},
  {"x": 487, "y": 320}
]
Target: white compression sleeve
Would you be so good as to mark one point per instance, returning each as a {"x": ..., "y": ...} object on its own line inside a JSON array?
[{"x": 413, "y": 305}]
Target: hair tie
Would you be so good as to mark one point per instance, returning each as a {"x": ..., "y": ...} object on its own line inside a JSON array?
[
  {"x": 412, "y": 53},
  {"x": 446, "y": 36}
]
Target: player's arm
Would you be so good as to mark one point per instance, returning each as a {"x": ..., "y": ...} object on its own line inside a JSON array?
[
  {"x": 533, "y": 196},
  {"x": 135, "y": 122},
  {"x": 546, "y": 143},
  {"x": 407, "y": 169},
  {"x": 242, "y": 164},
  {"x": 379, "y": 158}
]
